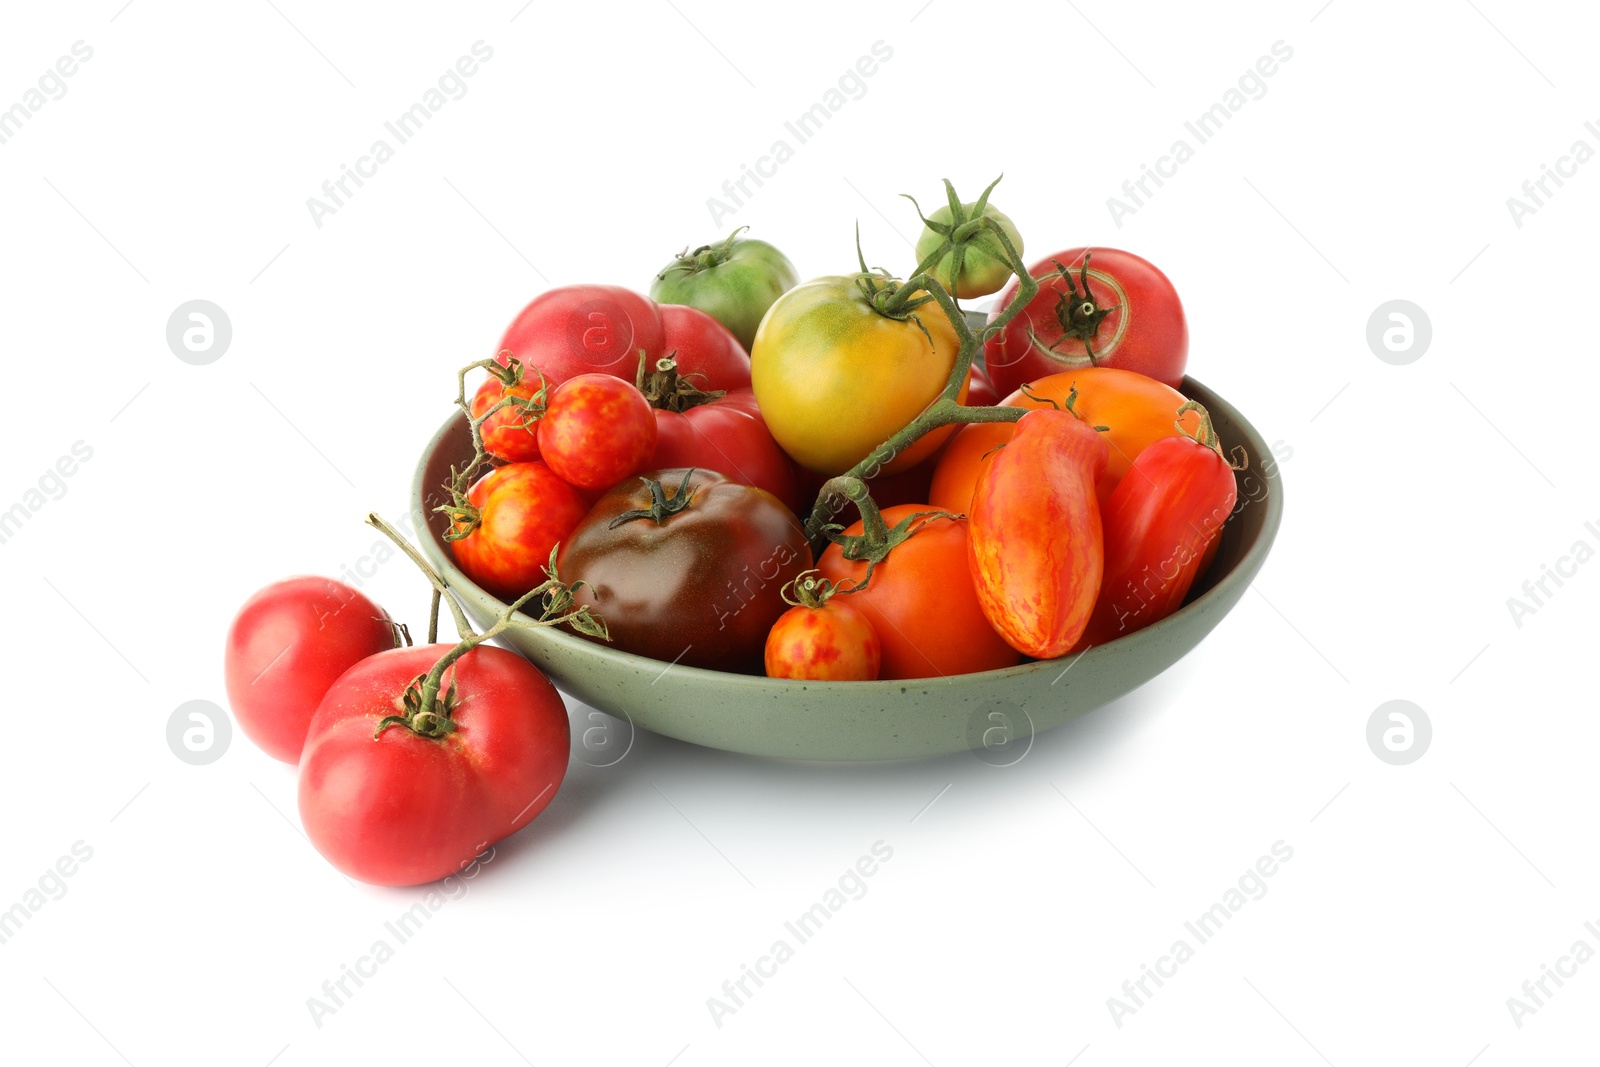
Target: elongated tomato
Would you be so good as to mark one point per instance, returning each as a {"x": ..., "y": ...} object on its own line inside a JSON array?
[
  {"x": 1161, "y": 526},
  {"x": 1037, "y": 552}
]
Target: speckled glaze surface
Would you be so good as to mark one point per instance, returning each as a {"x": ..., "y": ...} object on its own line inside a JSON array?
[{"x": 874, "y": 720}]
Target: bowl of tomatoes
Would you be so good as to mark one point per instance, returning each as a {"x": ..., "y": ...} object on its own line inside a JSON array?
[{"x": 988, "y": 712}]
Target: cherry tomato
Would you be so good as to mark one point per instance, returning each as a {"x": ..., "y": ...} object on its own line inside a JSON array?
[
  {"x": 523, "y": 510},
  {"x": 706, "y": 352},
  {"x": 984, "y": 264},
  {"x": 285, "y": 648},
  {"x": 408, "y": 807},
  {"x": 728, "y": 435},
  {"x": 1037, "y": 549},
  {"x": 921, "y": 600},
  {"x": 835, "y": 378},
  {"x": 687, "y": 567},
  {"x": 596, "y": 431},
  {"x": 828, "y": 641},
  {"x": 583, "y": 329},
  {"x": 1110, "y": 309},
  {"x": 1136, "y": 410},
  {"x": 512, "y": 433},
  {"x": 1161, "y": 527}
]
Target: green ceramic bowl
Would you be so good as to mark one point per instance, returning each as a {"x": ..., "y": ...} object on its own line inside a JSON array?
[{"x": 984, "y": 712}]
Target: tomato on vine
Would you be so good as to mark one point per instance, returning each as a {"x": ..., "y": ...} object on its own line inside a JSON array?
[
  {"x": 503, "y": 530},
  {"x": 823, "y": 637}
]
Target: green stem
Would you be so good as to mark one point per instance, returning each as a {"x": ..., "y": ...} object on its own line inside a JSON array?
[{"x": 440, "y": 590}]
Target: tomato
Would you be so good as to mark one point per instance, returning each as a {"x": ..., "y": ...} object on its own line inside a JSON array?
[
  {"x": 522, "y": 510},
  {"x": 512, "y": 433},
  {"x": 583, "y": 329},
  {"x": 285, "y": 648},
  {"x": 1161, "y": 526},
  {"x": 1131, "y": 319},
  {"x": 921, "y": 600},
  {"x": 825, "y": 638},
  {"x": 705, "y": 352},
  {"x": 984, "y": 264},
  {"x": 1137, "y": 410},
  {"x": 687, "y": 567},
  {"x": 596, "y": 431},
  {"x": 727, "y": 434},
  {"x": 734, "y": 282},
  {"x": 835, "y": 379},
  {"x": 407, "y": 807},
  {"x": 1037, "y": 549}
]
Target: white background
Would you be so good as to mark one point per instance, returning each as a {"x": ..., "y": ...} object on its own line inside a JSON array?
[{"x": 1419, "y": 498}]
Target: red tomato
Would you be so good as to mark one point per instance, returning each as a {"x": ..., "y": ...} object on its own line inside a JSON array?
[
  {"x": 834, "y": 642},
  {"x": 921, "y": 601},
  {"x": 523, "y": 511},
  {"x": 408, "y": 808},
  {"x": 596, "y": 431},
  {"x": 1161, "y": 526},
  {"x": 512, "y": 433},
  {"x": 583, "y": 329},
  {"x": 729, "y": 436},
  {"x": 1037, "y": 550},
  {"x": 707, "y": 354},
  {"x": 1130, "y": 318},
  {"x": 285, "y": 648}
]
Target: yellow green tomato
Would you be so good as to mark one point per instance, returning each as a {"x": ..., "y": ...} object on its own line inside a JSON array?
[
  {"x": 835, "y": 378},
  {"x": 984, "y": 267}
]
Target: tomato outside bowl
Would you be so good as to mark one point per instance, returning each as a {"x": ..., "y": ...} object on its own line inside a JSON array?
[{"x": 882, "y": 720}]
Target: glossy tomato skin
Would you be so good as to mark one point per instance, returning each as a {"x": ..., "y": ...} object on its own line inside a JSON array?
[
  {"x": 729, "y": 436},
  {"x": 1161, "y": 526},
  {"x": 701, "y": 588},
  {"x": 922, "y": 602},
  {"x": 596, "y": 431},
  {"x": 584, "y": 329},
  {"x": 831, "y": 643},
  {"x": 286, "y": 646},
  {"x": 835, "y": 379},
  {"x": 984, "y": 267},
  {"x": 1136, "y": 409},
  {"x": 524, "y": 509},
  {"x": 706, "y": 353},
  {"x": 1146, "y": 333},
  {"x": 511, "y": 434},
  {"x": 1037, "y": 550},
  {"x": 405, "y": 809},
  {"x": 734, "y": 282}
]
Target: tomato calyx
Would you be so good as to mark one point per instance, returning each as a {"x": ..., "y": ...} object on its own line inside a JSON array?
[
  {"x": 877, "y": 539},
  {"x": 703, "y": 258},
  {"x": 967, "y": 230},
  {"x": 667, "y": 390},
  {"x": 1069, "y": 406},
  {"x": 428, "y": 712},
  {"x": 662, "y": 506},
  {"x": 1205, "y": 435},
  {"x": 1077, "y": 312},
  {"x": 809, "y": 589}
]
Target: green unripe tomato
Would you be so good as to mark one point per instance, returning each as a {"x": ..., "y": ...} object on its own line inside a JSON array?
[
  {"x": 734, "y": 282},
  {"x": 985, "y": 268}
]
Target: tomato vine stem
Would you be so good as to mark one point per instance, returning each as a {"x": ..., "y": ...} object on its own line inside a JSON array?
[{"x": 894, "y": 299}]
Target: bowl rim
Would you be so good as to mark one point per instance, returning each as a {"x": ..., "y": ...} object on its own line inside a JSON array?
[{"x": 1248, "y": 562}]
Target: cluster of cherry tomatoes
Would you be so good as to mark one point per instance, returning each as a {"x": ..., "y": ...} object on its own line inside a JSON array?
[{"x": 840, "y": 480}]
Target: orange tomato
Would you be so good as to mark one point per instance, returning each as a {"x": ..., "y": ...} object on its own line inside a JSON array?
[
  {"x": 832, "y": 643},
  {"x": 921, "y": 601},
  {"x": 1137, "y": 409},
  {"x": 1038, "y": 551}
]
